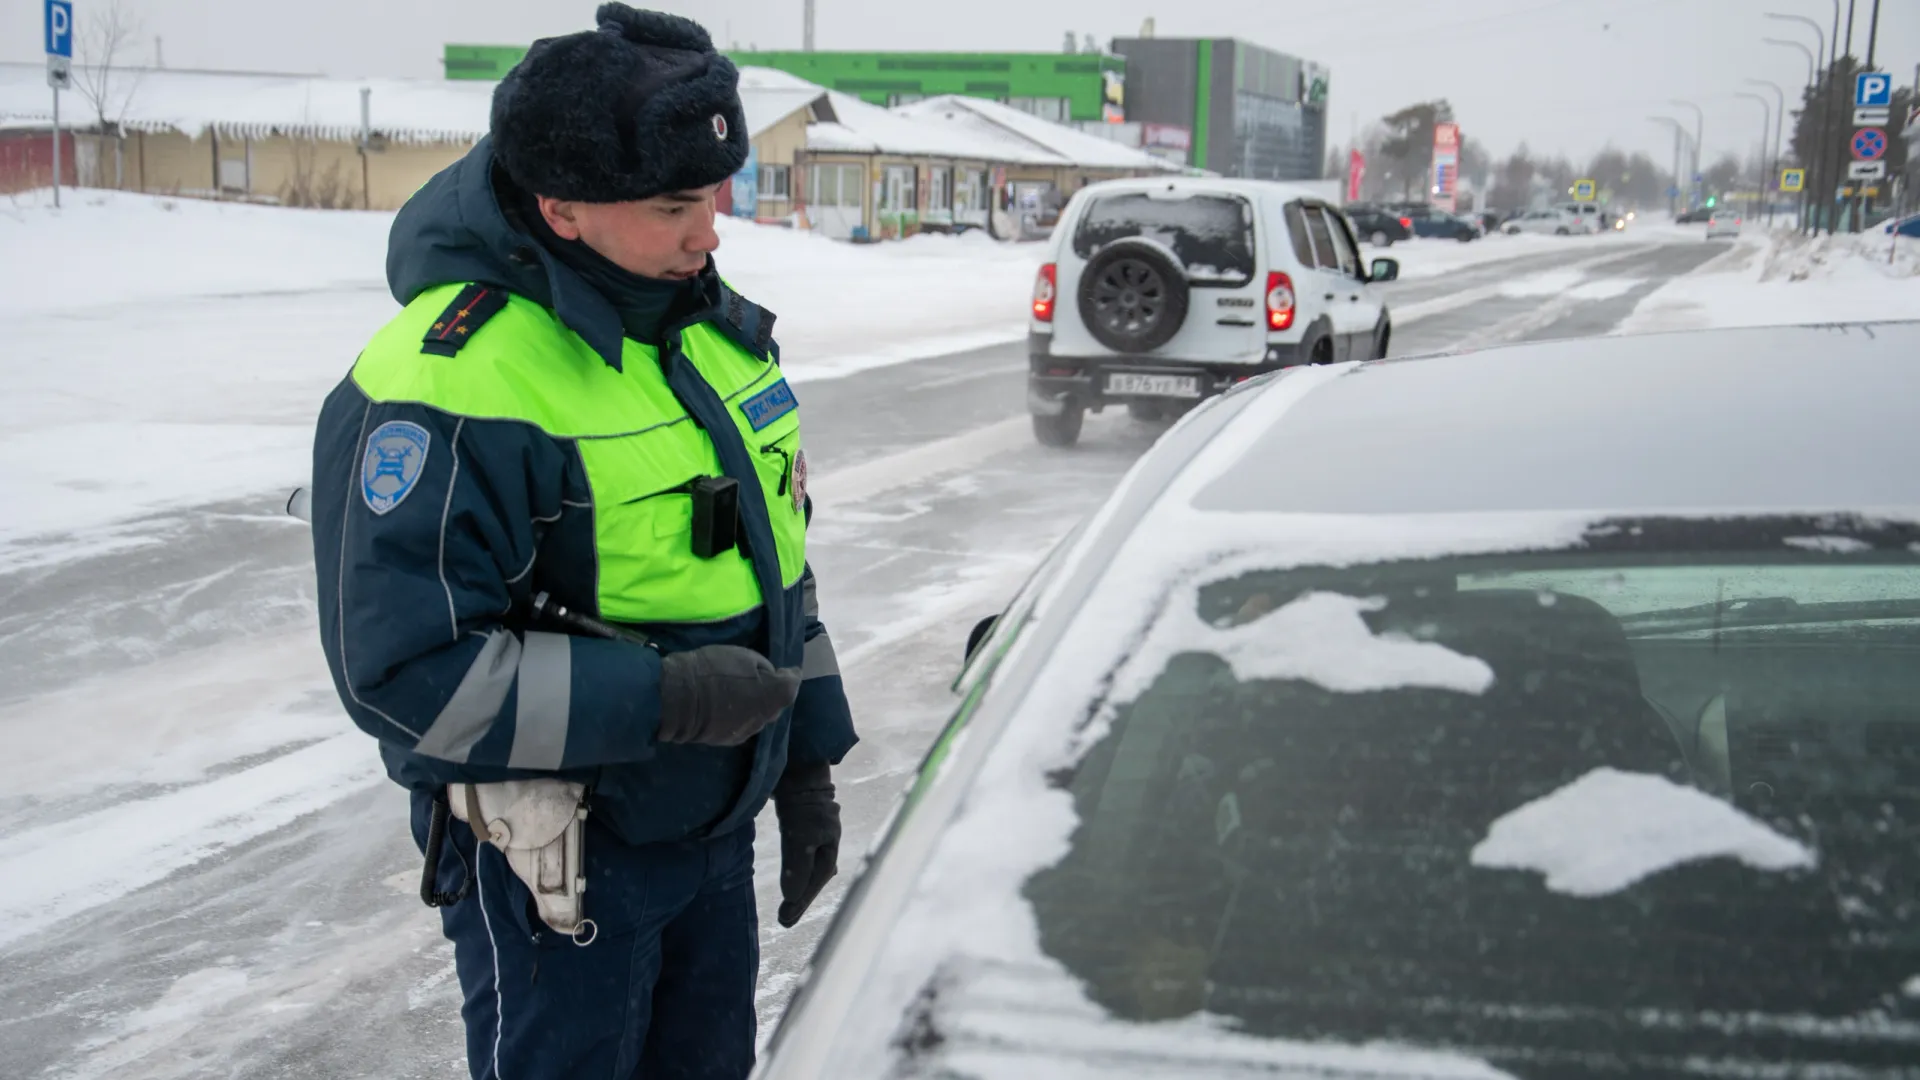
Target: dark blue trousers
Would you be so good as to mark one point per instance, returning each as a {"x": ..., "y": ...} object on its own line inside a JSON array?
[{"x": 664, "y": 992}]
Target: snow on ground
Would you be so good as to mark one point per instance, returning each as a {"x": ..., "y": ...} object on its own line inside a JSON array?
[
  {"x": 1777, "y": 278},
  {"x": 149, "y": 362},
  {"x": 1610, "y": 829}
]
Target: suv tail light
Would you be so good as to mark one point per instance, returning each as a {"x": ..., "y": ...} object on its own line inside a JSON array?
[
  {"x": 1406, "y": 223},
  {"x": 1279, "y": 301},
  {"x": 1043, "y": 290}
]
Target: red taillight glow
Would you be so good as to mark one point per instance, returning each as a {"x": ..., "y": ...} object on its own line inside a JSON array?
[
  {"x": 1043, "y": 289},
  {"x": 1279, "y": 301},
  {"x": 1406, "y": 223}
]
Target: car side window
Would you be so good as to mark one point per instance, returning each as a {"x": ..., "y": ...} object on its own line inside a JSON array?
[
  {"x": 1342, "y": 244},
  {"x": 1324, "y": 255},
  {"x": 1297, "y": 232}
]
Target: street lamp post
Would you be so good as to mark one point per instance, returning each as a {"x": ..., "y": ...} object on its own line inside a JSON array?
[
  {"x": 1766, "y": 121},
  {"x": 1819, "y": 176},
  {"x": 1679, "y": 134},
  {"x": 1779, "y": 120},
  {"x": 1816, "y": 171},
  {"x": 1699, "y": 135}
]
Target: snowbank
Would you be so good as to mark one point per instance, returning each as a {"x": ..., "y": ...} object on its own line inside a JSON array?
[
  {"x": 163, "y": 353},
  {"x": 1782, "y": 278}
]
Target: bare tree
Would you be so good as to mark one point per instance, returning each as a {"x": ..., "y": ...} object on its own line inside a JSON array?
[
  {"x": 307, "y": 186},
  {"x": 103, "y": 77}
]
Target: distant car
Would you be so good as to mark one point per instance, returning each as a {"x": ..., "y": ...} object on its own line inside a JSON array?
[
  {"x": 1428, "y": 221},
  {"x": 1906, "y": 226},
  {"x": 1591, "y": 216},
  {"x": 1346, "y": 741},
  {"x": 1378, "y": 226},
  {"x": 1692, "y": 217},
  {"x": 1723, "y": 223},
  {"x": 1554, "y": 221},
  {"x": 1488, "y": 220}
]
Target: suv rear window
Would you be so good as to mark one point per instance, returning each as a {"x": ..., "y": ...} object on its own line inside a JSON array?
[{"x": 1210, "y": 235}]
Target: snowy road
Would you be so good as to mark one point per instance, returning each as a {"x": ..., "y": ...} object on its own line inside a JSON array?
[{"x": 205, "y": 872}]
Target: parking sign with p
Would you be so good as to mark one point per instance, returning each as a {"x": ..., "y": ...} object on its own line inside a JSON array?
[
  {"x": 1872, "y": 89},
  {"x": 60, "y": 28}
]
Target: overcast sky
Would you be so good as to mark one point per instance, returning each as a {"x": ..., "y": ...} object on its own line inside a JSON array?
[{"x": 1571, "y": 75}]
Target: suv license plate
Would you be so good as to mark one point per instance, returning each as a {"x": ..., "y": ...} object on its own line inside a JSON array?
[{"x": 1184, "y": 386}]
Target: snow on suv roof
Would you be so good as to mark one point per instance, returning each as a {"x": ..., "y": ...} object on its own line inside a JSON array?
[
  {"x": 1804, "y": 418},
  {"x": 1207, "y": 185}
]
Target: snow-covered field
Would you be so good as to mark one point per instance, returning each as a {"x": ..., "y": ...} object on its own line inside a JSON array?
[
  {"x": 148, "y": 362},
  {"x": 1780, "y": 278}
]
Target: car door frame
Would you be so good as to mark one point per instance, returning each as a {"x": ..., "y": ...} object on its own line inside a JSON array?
[
  {"x": 1361, "y": 304},
  {"x": 1344, "y": 308}
]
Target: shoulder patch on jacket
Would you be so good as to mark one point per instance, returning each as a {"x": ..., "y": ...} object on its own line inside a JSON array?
[
  {"x": 469, "y": 311},
  {"x": 396, "y": 455},
  {"x": 747, "y": 323}
]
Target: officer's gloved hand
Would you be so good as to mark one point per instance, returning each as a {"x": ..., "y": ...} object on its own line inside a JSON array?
[
  {"x": 721, "y": 695},
  {"x": 809, "y": 836}
]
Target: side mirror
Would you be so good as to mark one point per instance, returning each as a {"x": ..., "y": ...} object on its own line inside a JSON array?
[
  {"x": 980, "y": 631},
  {"x": 1384, "y": 270}
]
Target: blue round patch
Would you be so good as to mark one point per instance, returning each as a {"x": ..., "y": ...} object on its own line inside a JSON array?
[{"x": 396, "y": 456}]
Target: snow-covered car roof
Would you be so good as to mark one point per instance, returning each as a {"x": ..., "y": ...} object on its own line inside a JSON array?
[
  {"x": 937, "y": 943},
  {"x": 1207, "y": 185},
  {"x": 1626, "y": 424}
]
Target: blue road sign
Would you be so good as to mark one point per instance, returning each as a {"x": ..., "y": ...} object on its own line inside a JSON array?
[
  {"x": 1872, "y": 89},
  {"x": 1869, "y": 144},
  {"x": 60, "y": 28},
  {"x": 1673, "y": 192}
]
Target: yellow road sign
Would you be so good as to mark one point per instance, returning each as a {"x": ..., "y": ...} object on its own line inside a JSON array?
[
  {"x": 1792, "y": 179},
  {"x": 1583, "y": 190}
]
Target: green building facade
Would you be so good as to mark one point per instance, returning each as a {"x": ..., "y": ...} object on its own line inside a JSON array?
[{"x": 1062, "y": 87}]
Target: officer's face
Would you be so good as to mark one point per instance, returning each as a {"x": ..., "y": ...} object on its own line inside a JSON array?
[{"x": 667, "y": 236}]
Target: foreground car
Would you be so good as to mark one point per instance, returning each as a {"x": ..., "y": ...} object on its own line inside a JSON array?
[
  {"x": 1563, "y": 726},
  {"x": 1723, "y": 223}
]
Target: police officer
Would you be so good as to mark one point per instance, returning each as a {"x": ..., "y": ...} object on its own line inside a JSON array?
[{"x": 560, "y": 519}]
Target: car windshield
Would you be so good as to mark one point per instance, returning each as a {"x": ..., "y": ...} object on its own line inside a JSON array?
[
  {"x": 1621, "y": 812},
  {"x": 1210, "y": 235}
]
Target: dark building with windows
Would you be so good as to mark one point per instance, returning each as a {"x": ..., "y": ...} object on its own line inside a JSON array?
[{"x": 1250, "y": 112}]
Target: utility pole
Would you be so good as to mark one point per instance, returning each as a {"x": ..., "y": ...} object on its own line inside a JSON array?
[
  {"x": 806, "y": 32},
  {"x": 1674, "y": 188},
  {"x": 1829, "y": 151},
  {"x": 1699, "y": 136},
  {"x": 1766, "y": 121},
  {"x": 1821, "y": 179}
]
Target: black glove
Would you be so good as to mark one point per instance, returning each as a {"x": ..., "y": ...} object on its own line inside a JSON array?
[
  {"x": 721, "y": 695},
  {"x": 809, "y": 836}
]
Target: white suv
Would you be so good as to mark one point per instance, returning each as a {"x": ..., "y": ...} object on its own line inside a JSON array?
[{"x": 1159, "y": 293}]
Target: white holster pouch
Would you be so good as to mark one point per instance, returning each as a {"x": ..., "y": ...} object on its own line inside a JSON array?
[{"x": 540, "y": 826}]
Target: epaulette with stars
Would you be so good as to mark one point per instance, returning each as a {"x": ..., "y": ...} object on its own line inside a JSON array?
[{"x": 468, "y": 312}]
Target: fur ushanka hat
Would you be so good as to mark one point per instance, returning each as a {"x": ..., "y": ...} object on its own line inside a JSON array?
[{"x": 640, "y": 107}]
